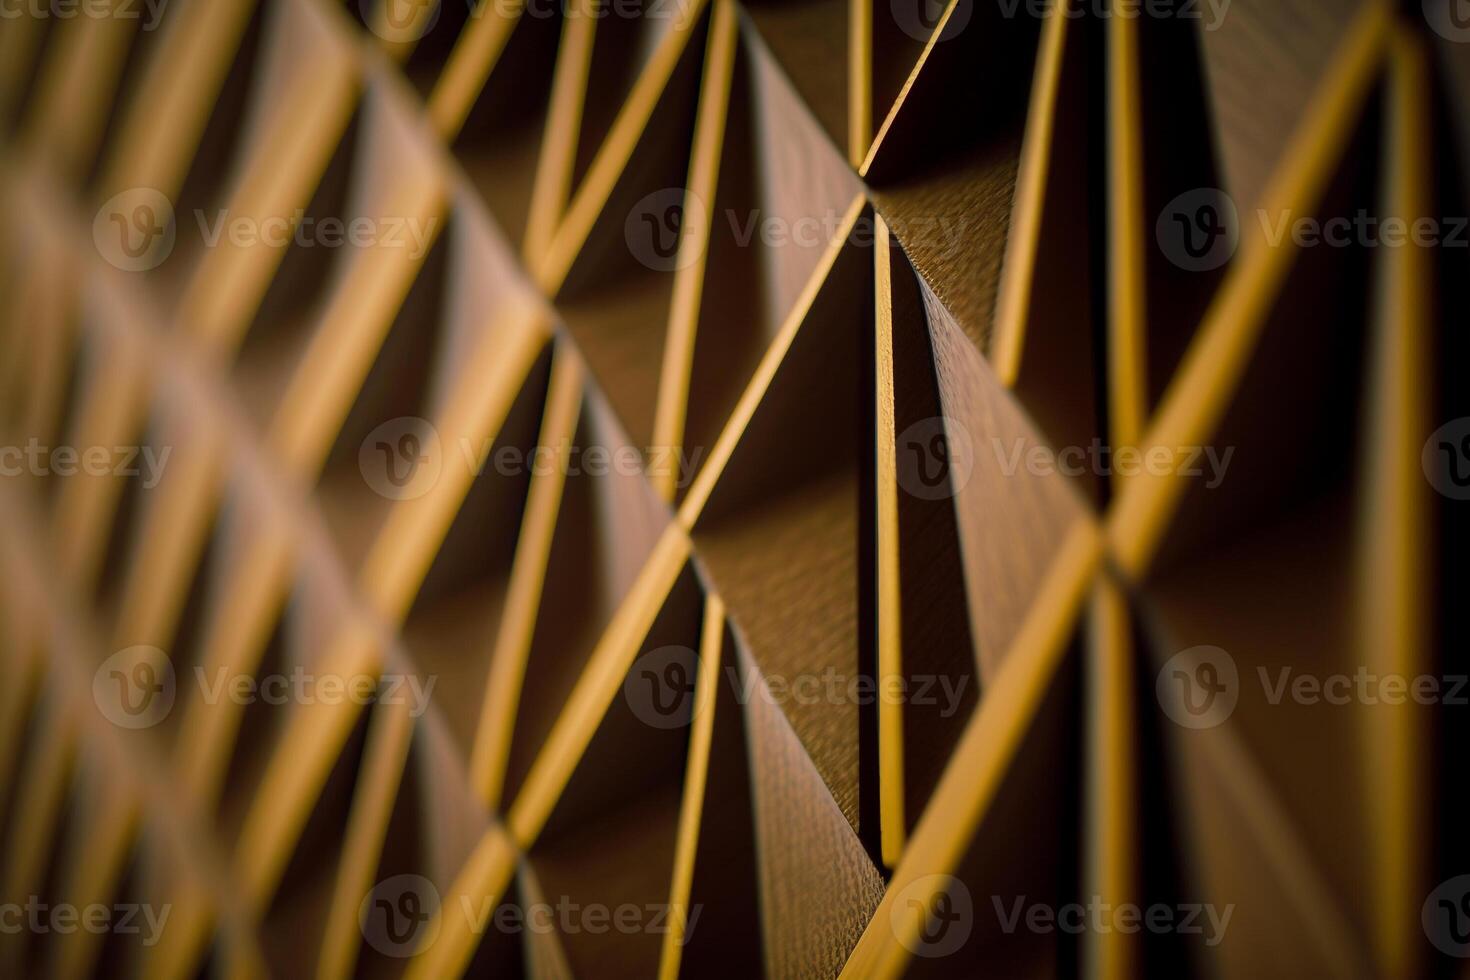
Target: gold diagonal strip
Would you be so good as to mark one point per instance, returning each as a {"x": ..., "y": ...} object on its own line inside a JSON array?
[
  {"x": 1197, "y": 397},
  {"x": 498, "y": 713},
  {"x": 696, "y": 774},
  {"x": 672, "y": 407},
  {"x": 980, "y": 761}
]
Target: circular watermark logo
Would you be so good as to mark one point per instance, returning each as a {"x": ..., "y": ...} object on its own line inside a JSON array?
[
  {"x": 657, "y": 224},
  {"x": 1199, "y": 687},
  {"x": 933, "y": 916},
  {"x": 919, "y": 19},
  {"x": 1446, "y": 917},
  {"x": 1446, "y": 459},
  {"x": 134, "y": 230},
  {"x": 1199, "y": 230},
  {"x": 1450, "y": 19},
  {"x": 400, "y": 916},
  {"x": 402, "y": 458},
  {"x": 400, "y": 21},
  {"x": 660, "y": 687},
  {"x": 135, "y": 687},
  {"x": 936, "y": 458}
]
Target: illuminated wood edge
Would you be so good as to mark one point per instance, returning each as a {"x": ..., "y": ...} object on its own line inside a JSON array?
[
  {"x": 390, "y": 730},
  {"x": 474, "y": 57},
  {"x": 1127, "y": 368},
  {"x": 765, "y": 372},
  {"x": 492, "y": 864},
  {"x": 254, "y": 586},
  {"x": 310, "y": 744},
  {"x": 935, "y": 36},
  {"x": 696, "y": 776},
  {"x": 1018, "y": 265},
  {"x": 859, "y": 80},
  {"x": 1110, "y": 852},
  {"x": 174, "y": 526},
  {"x": 270, "y": 830},
  {"x": 508, "y": 657},
  {"x": 485, "y": 390},
  {"x": 672, "y": 406},
  {"x": 986, "y": 749},
  {"x": 595, "y": 688},
  {"x": 616, "y": 150},
  {"x": 94, "y": 860},
  {"x": 273, "y": 831},
  {"x": 72, "y": 724},
  {"x": 1394, "y": 582},
  {"x": 1196, "y": 398},
  {"x": 482, "y": 880},
  {"x": 252, "y": 591},
  {"x": 277, "y": 177},
  {"x": 1195, "y": 402},
  {"x": 891, "y": 819},
  {"x": 551, "y": 187},
  {"x": 174, "y": 530},
  {"x": 346, "y": 340},
  {"x": 69, "y": 109},
  {"x": 160, "y": 130},
  {"x": 112, "y": 410}
]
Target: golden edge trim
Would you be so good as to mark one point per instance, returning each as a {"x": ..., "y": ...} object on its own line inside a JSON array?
[
  {"x": 891, "y": 819},
  {"x": 517, "y": 628},
  {"x": 671, "y": 410},
  {"x": 1212, "y": 367},
  {"x": 979, "y": 764},
  {"x": 691, "y": 811}
]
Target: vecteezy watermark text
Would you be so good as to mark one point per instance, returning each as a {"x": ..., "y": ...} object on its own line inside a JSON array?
[
  {"x": 137, "y": 687},
  {"x": 123, "y": 918},
  {"x": 1101, "y": 917},
  {"x": 145, "y": 462},
  {"x": 659, "y": 689},
  {"x": 404, "y": 457},
  {"x": 402, "y": 916},
  {"x": 137, "y": 230},
  {"x": 1200, "y": 687},
  {"x": 150, "y": 12},
  {"x": 1100, "y": 459}
]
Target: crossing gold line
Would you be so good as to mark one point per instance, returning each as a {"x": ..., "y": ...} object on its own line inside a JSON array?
[
  {"x": 1127, "y": 325},
  {"x": 309, "y": 747},
  {"x": 596, "y": 687},
  {"x": 671, "y": 410},
  {"x": 1196, "y": 398},
  {"x": 384, "y": 756},
  {"x": 765, "y": 372},
  {"x": 493, "y": 375},
  {"x": 891, "y": 819},
  {"x": 696, "y": 774},
  {"x": 859, "y": 80},
  {"x": 160, "y": 131},
  {"x": 496, "y": 727},
  {"x": 1396, "y": 554},
  {"x": 479, "y": 885},
  {"x": 1111, "y": 809},
  {"x": 980, "y": 761},
  {"x": 1018, "y": 268},
  {"x": 552, "y": 186},
  {"x": 474, "y": 57},
  {"x": 551, "y": 269}
]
